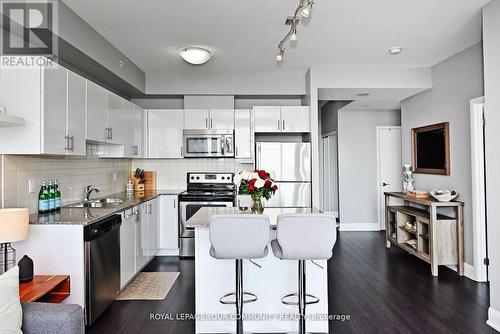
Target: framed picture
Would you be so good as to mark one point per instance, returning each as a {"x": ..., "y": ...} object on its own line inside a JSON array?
[{"x": 431, "y": 149}]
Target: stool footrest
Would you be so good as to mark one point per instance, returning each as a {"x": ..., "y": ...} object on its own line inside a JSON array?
[
  {"x": 252, "y": 298},
  {"x": 286, "y": 299}
]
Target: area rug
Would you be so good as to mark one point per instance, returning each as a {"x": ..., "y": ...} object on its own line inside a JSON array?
[{"x": 149, "y": 286}]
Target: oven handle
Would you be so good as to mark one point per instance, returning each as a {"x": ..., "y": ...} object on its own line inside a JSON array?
[{"x": 222, "y": 145}]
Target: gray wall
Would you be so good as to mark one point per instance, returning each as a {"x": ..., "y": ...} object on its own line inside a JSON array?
[
  {"x": 329, "y": 115},
  {"x": 357, "y": 145},
  {"x": 455, "y": 82},
  {"x": 491, "y": 30}
]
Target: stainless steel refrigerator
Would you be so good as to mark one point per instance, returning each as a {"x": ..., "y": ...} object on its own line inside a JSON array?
[{"x": 291, "y": 165}]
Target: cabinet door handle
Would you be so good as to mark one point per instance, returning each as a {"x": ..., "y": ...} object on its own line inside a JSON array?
[
  {"x": 236, "y": 150},
  {"x": 279, "y": 125},
  {"x": 211, "y": 123},
  {"x": 111, "y": 133},
  {"x": 206, "y": 123},
  {"x": 283, "y": 125},
  {"x": 72, "y": 143},
  {"x": 66, "y": 148},
  {"x": 174, "y": 203}
]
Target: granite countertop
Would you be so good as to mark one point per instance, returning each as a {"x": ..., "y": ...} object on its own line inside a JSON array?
[
  {"x": 86, "y": 216},
  {"x": 203, "y": 216}
]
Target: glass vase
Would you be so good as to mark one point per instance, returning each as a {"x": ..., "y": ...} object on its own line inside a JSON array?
[{"x": 257, "y": 207}]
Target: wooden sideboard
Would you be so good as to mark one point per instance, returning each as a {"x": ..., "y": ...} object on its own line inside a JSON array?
[
  {"x": 45, "y": 288},
  {"x": 439, "y": 237}
]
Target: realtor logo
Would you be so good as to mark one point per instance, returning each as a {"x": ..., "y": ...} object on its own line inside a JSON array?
[{"x": 28, "y": 28}]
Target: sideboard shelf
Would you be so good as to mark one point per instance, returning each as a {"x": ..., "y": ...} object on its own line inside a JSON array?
[{"x": 437, "y": 238}]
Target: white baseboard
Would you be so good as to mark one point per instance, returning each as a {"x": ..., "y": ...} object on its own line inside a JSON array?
[
  {"x": 494, "y": 319},
  {"x": 168, "y": 252},
  {"x": 469, "y": 271},
  {"x": 359, "y": 227}
]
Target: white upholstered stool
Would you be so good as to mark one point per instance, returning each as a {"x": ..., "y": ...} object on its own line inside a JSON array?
[
  {"x": 303, "y": 237},
  {"x": 239, "y": 237}
]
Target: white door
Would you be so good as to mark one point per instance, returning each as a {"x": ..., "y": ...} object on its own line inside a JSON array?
[
  {"x": 222, "y": 119},
  {"x": 295, "y": 119},
  {"x": 243, "y": 134},
  {"x": 54, "y": 115},
  {"x": 196, "y": 119},
  {"x": 141, "y": 233},
  {"x": 390, "y": 170},
  {"x": 168, "y": 228},
  {"x": 116, "y": 119},
  {"x": 137, "y": 148},
  {"x": 127, "y": 128},
  {"x": 97, "y": 112},
  {"x": 76, "y": 114},
  {"x": 152, "y": 211},
  {"x": 267, "y": 119},
  {"x": 165, "y": 133}
]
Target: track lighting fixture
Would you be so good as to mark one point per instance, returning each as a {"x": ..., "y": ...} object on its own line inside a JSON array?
[{"x": 304, "y": 10}]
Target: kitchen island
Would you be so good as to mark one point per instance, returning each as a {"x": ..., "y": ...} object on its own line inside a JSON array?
[{"x": 276, "y": 278}]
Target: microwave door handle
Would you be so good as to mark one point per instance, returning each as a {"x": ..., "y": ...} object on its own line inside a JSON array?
[
  {"x": 222, "y": 145},
  {"x": 228, "y": 145}
]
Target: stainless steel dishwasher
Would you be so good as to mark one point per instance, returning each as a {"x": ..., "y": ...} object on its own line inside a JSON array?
[{"x": 102, "y": 266}]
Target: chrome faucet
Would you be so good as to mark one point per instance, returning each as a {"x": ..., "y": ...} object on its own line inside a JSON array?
[{"x": 88, "y": 191}]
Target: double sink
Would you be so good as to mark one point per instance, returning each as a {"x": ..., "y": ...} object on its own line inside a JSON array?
[{"x": 104, "y": 203}]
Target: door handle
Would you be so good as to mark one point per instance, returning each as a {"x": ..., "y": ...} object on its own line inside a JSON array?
[
  {"x": 206, "y": 123},
  {"x": 72, "y": 143},
  {"x": 279, "y": 125},
  {"x": 66, "y": 148},
  {"x": 211, "y": 123},
  {"x": 283, "y": 125},
  {"x": 385, "y": 184}
]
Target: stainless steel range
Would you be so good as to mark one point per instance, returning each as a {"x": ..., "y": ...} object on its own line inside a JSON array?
[{"x": 203, "y": 190}]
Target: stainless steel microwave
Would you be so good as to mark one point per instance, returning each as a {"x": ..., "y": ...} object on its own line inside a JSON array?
[{"x": 208, "y": 144}]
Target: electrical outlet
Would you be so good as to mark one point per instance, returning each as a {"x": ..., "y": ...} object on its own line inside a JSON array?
[{"x": 31, "y": 186}]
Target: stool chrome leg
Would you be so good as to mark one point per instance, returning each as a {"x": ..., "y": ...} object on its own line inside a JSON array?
[
  {"x": 239, "y": 296},
  {"x": 302, "y": 297}
]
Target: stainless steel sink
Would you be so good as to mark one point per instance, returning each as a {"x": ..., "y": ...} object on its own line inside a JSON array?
[{"x": 104, "y": 203}]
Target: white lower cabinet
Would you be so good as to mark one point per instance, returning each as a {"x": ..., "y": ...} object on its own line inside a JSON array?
[
  {"x": 128, "y": 267},
  {"x": 168, "y": 226},
  {"x": 152, "y": 224}
]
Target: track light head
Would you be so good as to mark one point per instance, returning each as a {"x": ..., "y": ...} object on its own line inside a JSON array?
[
  {"x": 305, "y": 11},
  {"x": 280, "y": 55},
  {"x": 293, "y": 36}
]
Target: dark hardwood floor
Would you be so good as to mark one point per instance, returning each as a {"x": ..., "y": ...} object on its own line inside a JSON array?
[{"x": 383, "y": 291}]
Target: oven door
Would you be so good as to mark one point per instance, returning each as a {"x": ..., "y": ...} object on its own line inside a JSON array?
[
  {"x": 206, "y": 143},
  {"x": 188, "y": 209}
]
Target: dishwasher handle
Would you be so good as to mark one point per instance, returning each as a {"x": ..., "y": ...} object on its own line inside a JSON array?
[{"x": 97, "y": 229}]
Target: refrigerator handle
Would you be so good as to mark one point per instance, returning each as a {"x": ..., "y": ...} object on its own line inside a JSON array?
[{"x": 258, "y": 156}]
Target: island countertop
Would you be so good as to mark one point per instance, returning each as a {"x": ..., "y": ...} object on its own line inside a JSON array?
[
  {"x": 87, "y": 216},
  {"x": 203, "y": 216}
]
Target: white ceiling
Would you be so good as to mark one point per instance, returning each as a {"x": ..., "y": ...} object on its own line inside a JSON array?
[{"x": 243, "y": 35}]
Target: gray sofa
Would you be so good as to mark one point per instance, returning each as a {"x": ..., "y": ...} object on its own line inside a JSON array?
[{"x": 44, "y": 318}]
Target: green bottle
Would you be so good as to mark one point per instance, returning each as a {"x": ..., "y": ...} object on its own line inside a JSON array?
[
  {"x": 52, "y": 197},
  {"x": 57, "y": 193},
  {"x": 43, "y": 199}
]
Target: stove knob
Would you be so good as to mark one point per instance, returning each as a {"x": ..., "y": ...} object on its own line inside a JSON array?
[
  {"x": 192, "y": 177},
  {"x": 197, "y": 177},
  {"x": 223, "y": 177}
]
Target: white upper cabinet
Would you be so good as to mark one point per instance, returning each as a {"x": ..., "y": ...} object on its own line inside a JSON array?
[
  {"x": 54, "y": 86},
  {"x": 267, "y": 119},
  {"x": 117, "y": 122},
  {"x": 76, "y": 114},
  {"x": 221, "y": 119},
  {"x": 97, "y": 112},
  {"x": 137, "y": 147},
  {"x": 165, "y": 133},
  {"x": 243, "y": 135},
  {"x": 282, "y": 119},
  {"x": 196, "y": 119},
  {"x": 295, "y": 119},
  {"x": 51, "y": 112}
]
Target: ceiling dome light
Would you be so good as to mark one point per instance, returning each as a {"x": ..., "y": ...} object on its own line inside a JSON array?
[
  {"x": 195, "y": 55},
  {"x": 305, "y": 11}
]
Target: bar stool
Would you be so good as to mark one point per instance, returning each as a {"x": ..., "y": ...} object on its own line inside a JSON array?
[
  {"x": 304, "y": 237},
  {"x": 239, "y": 237}
]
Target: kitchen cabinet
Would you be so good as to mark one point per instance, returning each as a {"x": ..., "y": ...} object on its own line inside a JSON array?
[
  {"x": 97, "y": 112},
  {"x": 55, "y": 106},
  {"x": 131, "y": 133},
  {"x": 244, "y": 135},
  {"x": 196, "y": 119},
  {"x": 168, "y": 225},
  {"x": 267, "y": 119},
  {"x": 287, "y": 119},
  {"x": 77, "y": 87},
  {"x": 152, "y": 224},
  {"x": 141, "y": 257},
  {"x": 128, "y": 267},
  {"x": 137, "y": 147},
  {"x": 221, "y": 119},
  {"x": 209, "y": 119},
  {"x": 117, "y": 122},
  {"x": 295, "y": 119},
  {"x": 165, "y": 133}
]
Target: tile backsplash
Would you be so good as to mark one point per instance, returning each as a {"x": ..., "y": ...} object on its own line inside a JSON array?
[
  {"x": 72, "y": 173},
  {"x": 171, "y": 173},
  {"x": 108, "y": 175}
]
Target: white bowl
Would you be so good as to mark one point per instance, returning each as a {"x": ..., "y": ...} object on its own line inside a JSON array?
[{"x": 445, "y": 195}]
